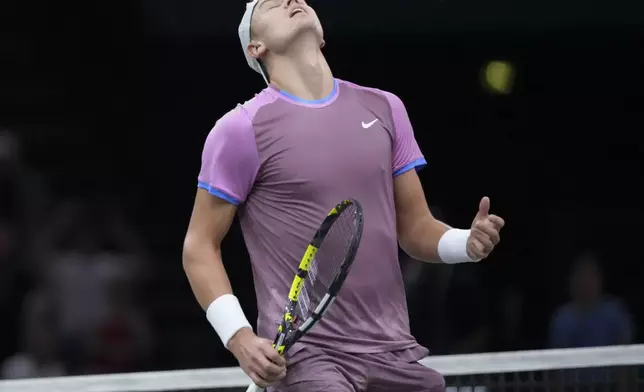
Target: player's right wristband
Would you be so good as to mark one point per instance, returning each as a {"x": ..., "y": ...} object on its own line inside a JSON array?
[{"x": 226, "y": 317}]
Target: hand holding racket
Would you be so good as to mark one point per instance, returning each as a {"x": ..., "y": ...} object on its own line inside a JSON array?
[
  {"x": 257, "y": 357},
  {"x": 321, "y": 273}
]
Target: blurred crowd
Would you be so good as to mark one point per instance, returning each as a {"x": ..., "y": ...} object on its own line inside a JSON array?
[
  {"x": 73, "y": 271},
  {"x": 590, "y": 318},
  {"x": 70, "y": 278}
]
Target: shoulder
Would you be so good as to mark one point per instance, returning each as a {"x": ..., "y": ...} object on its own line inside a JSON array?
[
  {"x": 232, "y": 125},
  {"x": 614, "y": 306},
  {"x": 386, "y": 96},
  {"x": 237, "y": 124},
  {"x": 242, "y": 115},
  {"x": 259, "y": 102}
]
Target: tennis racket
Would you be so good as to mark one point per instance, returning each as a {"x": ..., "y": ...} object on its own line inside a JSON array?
[{"x": 321, "y": 274}]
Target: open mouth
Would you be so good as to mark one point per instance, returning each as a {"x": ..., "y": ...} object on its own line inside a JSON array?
[{"x": 297, "y": 11}]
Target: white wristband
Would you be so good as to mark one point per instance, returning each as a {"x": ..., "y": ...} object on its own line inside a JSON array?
[
  {"x": 226, "y": 317},
  {"x": 452, "y": 247}
]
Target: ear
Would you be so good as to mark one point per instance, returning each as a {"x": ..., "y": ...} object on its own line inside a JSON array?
[{"x": 256, "y": 49}]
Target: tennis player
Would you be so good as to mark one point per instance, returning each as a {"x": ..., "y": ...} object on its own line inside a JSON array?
[{"x": 279, "y": 162}]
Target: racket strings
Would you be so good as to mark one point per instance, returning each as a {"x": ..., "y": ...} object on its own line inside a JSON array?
[{"x": 328, "y": 262}]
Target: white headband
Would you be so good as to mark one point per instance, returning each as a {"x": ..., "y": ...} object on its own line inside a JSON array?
[{"x": 244, "y": 38}]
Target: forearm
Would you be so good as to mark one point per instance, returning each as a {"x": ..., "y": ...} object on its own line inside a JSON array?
[
  {"x": 205, "y": 271},
  {"x": 420, "y": 241},
  {"x": 211, "y": 287}
]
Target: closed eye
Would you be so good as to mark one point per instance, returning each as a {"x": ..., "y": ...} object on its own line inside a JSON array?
[{"x": 270, "y": 4}]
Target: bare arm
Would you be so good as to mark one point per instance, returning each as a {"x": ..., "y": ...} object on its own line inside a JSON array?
[
  {"x": 209, "y": 224},
  {"x": 418, "y": 230},
  {"x": 421, "y": 235},
  {"x": 211, "y": 218},
  {"x": 229, "y": 165}
]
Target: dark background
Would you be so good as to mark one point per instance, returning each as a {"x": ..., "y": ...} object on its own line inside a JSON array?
[{"x": 111, "y": 103}]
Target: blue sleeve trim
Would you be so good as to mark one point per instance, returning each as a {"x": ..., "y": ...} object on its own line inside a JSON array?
[
  {"x": 417, "y": 164},
  {"x": 220, "y": 194}
]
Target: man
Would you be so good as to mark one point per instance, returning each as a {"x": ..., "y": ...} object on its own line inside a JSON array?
[
  {"x": 292, "y": 152},
  {"x": 591, "y": 318}
]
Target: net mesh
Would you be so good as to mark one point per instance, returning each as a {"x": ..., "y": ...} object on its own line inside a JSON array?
[
  {"x": 328, "y": 261},
  {"x": 612, "y": 379},
  {"x": 619, "y": 369},
  {"x": 618, "y": 379}
]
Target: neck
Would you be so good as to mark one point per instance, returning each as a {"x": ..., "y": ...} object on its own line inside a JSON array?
[{"x": 302, "y": 71}]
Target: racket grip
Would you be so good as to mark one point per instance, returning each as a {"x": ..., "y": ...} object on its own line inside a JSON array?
[{"x": 254, "y": 388}]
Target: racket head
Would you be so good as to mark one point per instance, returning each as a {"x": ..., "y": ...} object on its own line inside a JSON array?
[{"x": 322, "y": 271}]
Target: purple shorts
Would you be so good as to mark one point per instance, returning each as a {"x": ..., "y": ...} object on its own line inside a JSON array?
[{"x": 314, "y": 369}]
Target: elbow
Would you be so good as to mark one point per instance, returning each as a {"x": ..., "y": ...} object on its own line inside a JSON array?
[
  {"x": 419, "y": 238},
  {"x": 186, "y": 254},
  {"x": 197, "y": 250},
  {"x": 409, "y": 247},
  {"x": 409, "y": 243},
  {"x": 190, "y": 251},
  {"x": 411, "y": 233},
  {"x": 403, "y": 242}
]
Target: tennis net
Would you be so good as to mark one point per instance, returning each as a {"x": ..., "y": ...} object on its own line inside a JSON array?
[{"x": 619, "y": 369}]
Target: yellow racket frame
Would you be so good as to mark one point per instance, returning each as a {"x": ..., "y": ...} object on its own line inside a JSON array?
[{"x": 303, "y": 269}]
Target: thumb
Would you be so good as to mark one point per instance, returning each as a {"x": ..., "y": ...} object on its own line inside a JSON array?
[{"x": 484, "y": 208}]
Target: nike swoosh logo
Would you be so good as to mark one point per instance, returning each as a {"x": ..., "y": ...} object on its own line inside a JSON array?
[{"x": 368, "y": 125}]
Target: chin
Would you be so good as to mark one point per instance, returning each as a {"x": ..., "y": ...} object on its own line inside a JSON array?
[{"x": 308, "y": 28}]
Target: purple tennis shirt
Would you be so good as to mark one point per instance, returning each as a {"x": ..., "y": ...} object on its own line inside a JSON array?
[{"x": 285, "y": 163}]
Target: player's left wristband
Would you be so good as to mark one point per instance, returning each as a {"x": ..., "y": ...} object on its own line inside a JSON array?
[
  {"x": 452, "y": 247},
  {"x": 226, "y": 317}
]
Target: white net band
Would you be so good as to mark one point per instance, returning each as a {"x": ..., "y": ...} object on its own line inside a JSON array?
[{"x": 449, "y": 365}]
